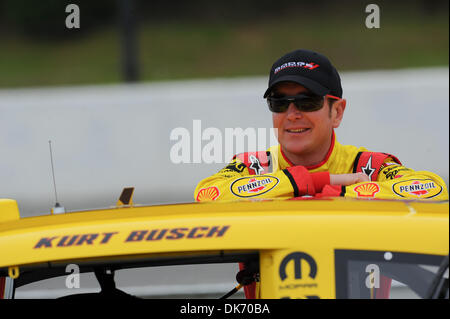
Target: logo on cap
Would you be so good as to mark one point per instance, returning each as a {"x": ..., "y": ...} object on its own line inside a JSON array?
[{"x": 305, "y": 65}]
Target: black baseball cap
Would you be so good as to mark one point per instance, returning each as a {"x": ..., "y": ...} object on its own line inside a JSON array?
[{"x": 308, "y": 68}]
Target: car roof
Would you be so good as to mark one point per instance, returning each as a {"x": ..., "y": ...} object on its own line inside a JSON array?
[{"x": 244, "y": 225}]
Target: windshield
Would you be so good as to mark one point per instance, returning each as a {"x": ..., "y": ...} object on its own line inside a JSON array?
[{"x": 384, "y": 274}]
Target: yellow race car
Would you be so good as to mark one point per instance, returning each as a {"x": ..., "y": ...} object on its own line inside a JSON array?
[{"x": 329, "y": 248}]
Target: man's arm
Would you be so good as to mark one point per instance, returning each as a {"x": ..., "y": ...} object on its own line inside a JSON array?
[
  {"x": 235, "y": 182},
  {"x": 395, "y": 181}
]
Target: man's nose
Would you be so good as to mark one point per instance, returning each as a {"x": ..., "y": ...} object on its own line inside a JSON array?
[{"x": 293, "y": 112}]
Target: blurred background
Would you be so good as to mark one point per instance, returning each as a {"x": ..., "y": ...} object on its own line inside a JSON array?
[
  {"x": 109, "y": 93},
  {"x": 209, "y": 39}
]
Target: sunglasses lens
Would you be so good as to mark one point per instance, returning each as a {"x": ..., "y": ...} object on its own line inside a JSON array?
[
  {"x": 309, "y": 103},
  {"x": 304, "y": 103},
  {"x": 278, "y": 105}
]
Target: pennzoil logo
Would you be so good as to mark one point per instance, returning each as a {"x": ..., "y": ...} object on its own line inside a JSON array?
[
  {"x": 367, "y": 189},
  {"x": 253, "y": 186},
  {"x": 208, "y": 194},
  {"x": 417, "y": 188}
]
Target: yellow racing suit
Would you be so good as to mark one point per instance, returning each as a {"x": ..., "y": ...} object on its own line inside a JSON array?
[{"x": 269, "y": 174}]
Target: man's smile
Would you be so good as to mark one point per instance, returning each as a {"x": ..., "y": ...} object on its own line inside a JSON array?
[{"x": 297, "y": 130}]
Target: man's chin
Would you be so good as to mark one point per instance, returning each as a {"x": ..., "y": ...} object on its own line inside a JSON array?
[{"x": 295, "y": 150}]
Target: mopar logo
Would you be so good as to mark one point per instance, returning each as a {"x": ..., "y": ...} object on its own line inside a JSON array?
[{"x": 297, "y": 257}]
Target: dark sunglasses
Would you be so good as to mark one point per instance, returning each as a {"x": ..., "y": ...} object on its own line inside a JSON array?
[{"x": 303, "y": 102}]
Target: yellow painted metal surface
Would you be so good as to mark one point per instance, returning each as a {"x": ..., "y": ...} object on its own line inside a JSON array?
[
  {"x": 8, "y": 210},
  {"x": 282, "y": 231}
]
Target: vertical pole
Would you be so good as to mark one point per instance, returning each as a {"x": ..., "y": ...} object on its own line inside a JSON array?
[{"x": 128, "y": 39}]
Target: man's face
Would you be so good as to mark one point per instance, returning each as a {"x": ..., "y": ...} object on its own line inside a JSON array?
[{"x": 303, "y": 134}]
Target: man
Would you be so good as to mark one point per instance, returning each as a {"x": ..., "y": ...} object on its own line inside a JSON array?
[{"x": 305, "y": 97}]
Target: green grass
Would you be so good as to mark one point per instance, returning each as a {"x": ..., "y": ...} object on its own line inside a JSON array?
[{"x": 199, "y": 50}]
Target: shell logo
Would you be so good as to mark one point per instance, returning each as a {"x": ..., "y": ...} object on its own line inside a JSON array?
[
  {"x": 208, "y": 194},
  {"x": 367, "y": 189}
]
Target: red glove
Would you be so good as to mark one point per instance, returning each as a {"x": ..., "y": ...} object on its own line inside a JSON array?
[{"x": 306, "y": 183}]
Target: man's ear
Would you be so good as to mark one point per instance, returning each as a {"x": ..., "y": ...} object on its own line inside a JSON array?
[{"x": 337, "y": 112}]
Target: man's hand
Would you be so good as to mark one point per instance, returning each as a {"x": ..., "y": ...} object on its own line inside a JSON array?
[{"x": 348, "y": 179}]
